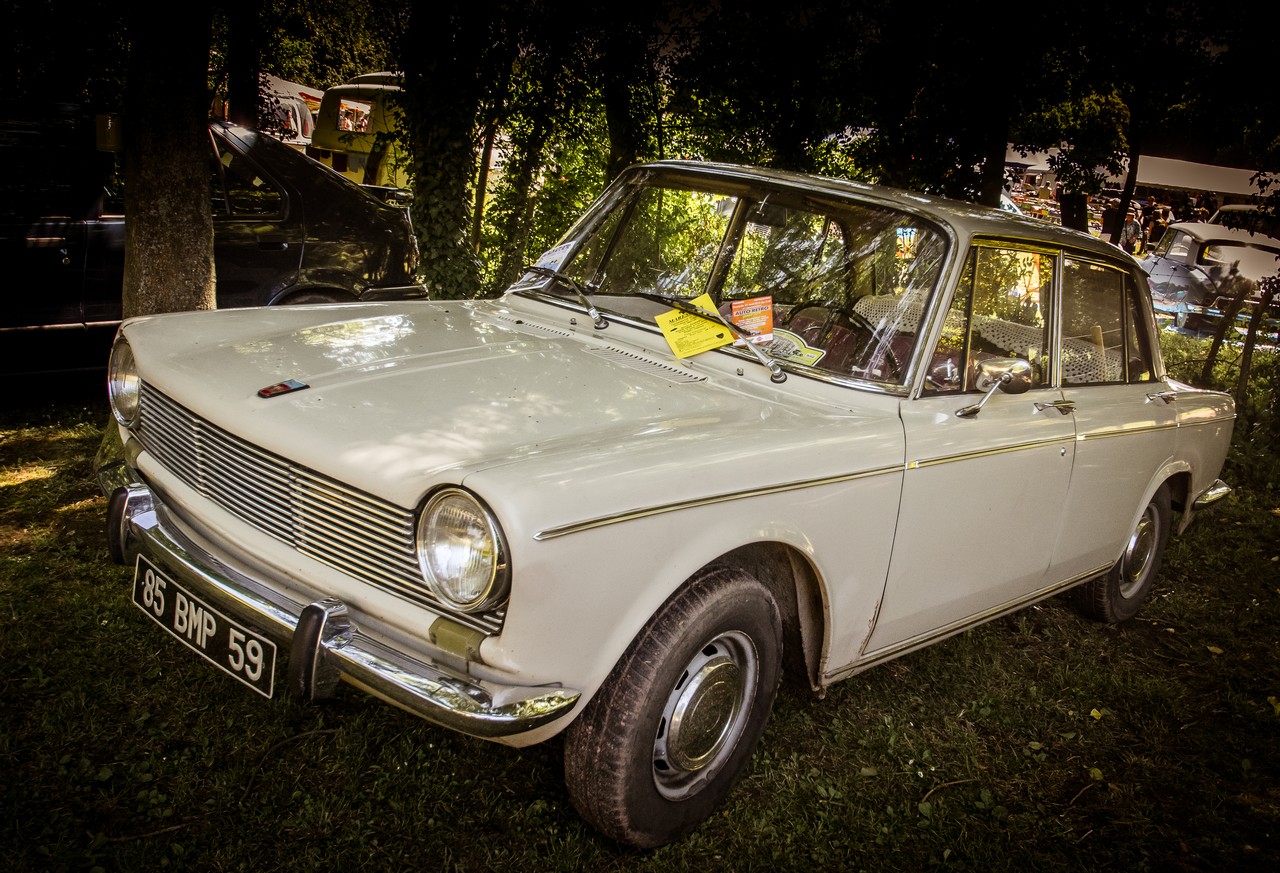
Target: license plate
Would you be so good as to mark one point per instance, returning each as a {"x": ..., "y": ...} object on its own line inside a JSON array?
[{"x": 231, "y": 647}]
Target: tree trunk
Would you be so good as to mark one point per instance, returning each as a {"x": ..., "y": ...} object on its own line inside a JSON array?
[
  {"x": 1251, "y": 338},
  {"x": 482, "y": 184},
  {"x": 1074, "y": 208},
  {"x": 1130, "y": 185},
  {"x": 442, "y": 100},
  {"x": 1238, "y": 289},
  {"x": 516, "y": 224},
  {"x": 620, "y": 117},
  {"x": 992, "y": 181},
  {"x": 244, "y": 49},
  {"x": 168, "y": 262}
]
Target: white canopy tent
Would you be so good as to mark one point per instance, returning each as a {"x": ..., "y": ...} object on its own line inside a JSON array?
[{"x": 1164, "y": 173}]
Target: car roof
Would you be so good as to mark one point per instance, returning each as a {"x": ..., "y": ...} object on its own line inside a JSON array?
[
  {"x": 1203, "y": 232},
  {"x": 967, "y": 218}
]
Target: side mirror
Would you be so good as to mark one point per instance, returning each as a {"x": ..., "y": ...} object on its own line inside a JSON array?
[{"x": 1010, "y": 375}]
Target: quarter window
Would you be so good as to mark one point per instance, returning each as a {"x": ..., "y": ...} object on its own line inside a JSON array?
[
  {"x": 1101, "y": 340},
  {"x": 237, "y": 189}
]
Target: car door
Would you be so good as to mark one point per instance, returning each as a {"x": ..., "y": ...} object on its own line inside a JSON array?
[
  {"x": 1169, "y": 270},
  {"x": 982, "y": 490},
  {"x": 258, "y": 229},
  {"x": 1125, "y": 420}
]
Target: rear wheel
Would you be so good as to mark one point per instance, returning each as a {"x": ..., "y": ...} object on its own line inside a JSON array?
[
  {"x": 1118, "y": 595},
  {"x": 670, "y": 731}
]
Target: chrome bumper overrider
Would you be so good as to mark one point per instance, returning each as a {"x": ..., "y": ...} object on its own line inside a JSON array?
[
  {"x": 323, "y": 642},
  {"x": 1211, "y": 495}
]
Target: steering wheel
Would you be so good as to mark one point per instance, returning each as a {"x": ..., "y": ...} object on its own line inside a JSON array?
[{"x": 846, "y": 318}]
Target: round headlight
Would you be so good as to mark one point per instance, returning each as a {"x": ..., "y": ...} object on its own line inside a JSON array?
[
  {"x": 123, "y": 385},
  {"x": 461, "y": 552}
]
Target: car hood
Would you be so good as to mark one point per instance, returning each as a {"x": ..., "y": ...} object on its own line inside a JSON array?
[{"x": 400, "y": 397}]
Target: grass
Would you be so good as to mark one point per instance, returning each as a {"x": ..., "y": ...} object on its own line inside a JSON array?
[{"x": 1041, "y": 741}]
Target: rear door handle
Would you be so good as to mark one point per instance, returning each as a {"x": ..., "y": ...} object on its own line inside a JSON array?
[{"x": 1166, "y": 396}]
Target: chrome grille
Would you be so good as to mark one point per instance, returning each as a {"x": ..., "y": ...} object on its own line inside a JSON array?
[{"x": 363, "y": 536}]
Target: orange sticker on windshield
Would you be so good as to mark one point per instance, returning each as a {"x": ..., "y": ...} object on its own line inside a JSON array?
[{"x": 754, "y": 316}]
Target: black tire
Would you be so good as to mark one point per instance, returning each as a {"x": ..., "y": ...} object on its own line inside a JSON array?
[
  {"x": 672, "y": 728},
  {"x": 1118, "y": 595}
]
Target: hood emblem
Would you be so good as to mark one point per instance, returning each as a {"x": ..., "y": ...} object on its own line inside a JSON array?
[{"x": 288, "y": 386}]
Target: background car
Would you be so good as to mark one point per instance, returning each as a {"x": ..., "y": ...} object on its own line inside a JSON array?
[
  {"x": 1246, "y": 216},
  {"x": 1198, "y": 268},
  {"x": 286, "y": 230}
]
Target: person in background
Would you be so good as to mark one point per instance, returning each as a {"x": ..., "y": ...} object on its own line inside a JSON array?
[
  {"x": 1157, "y": 225},
  {"x": 1131, "y": 233},
  {"x": 1110, "y": 218}
]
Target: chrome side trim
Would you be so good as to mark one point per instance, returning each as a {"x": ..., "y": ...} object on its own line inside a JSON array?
[
  {"x": 1118, "y": 432},
  {"x": 330, "y": 644},
  {"x": 986, "y": 453},
  {"x": 645, "y": 512},
  {"x": 954, "y": 628},
  {"x": 1217, "y": 419}
]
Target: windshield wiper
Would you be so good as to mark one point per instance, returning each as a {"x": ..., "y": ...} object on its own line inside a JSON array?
[
  {"x": 776, "y": 373},
  {"x": 576, "y": 287}
]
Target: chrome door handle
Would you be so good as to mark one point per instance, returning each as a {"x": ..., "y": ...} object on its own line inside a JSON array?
[
  {"x": 1166, "y": 396},
  {"x": 1066, "y": 407}
]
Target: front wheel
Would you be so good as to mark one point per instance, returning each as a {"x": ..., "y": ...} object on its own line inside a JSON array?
[
  {"x": 1117, "y": 596},
  {"x": 669, "y": 732}
]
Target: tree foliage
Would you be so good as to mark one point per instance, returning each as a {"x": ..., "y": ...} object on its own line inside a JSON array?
[{"x": 516, "y": 114}]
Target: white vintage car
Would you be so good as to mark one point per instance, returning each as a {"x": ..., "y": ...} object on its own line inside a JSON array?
[{"x": 737, "y": 422}]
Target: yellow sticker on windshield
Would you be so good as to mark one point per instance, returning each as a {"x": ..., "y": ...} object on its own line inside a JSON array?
[{"x": 690, "y": 334}]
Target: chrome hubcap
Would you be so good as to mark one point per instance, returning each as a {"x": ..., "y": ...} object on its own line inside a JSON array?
[
  {"x": 704, "y": 715},
  {"x": 1138, "y": 553}
]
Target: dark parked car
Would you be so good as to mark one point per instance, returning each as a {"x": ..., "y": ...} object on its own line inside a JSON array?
[
  {"x": 286, "y": 230},
  {"x": 1198, "y": 268}
]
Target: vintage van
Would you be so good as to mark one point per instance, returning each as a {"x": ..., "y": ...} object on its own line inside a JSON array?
[{"x": 356, "y": 131}]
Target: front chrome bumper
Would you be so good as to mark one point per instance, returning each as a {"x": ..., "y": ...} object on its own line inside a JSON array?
[{"x": 324, "y": 642}]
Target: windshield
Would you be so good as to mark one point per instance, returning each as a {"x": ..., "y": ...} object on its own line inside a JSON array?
[{"x": 836, "y": 286}]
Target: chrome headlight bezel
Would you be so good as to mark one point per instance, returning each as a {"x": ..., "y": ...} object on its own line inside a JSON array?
[
  {"x": 124, "y": 387},
  {"x": 461, "y": 552}
]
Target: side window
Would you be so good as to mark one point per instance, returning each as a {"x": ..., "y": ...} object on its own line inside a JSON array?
[
  {"x": 1176, "y": 245},
  {"x": 238, "y": 190},
  {"x": 1000, "y": 309},
  {"x": 1102, "y": 336}
]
